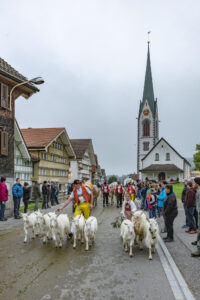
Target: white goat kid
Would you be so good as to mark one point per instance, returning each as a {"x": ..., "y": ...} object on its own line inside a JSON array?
[
  {"x": 30, "y": 221},
  {"x": 90, "y": 230},
  {"x": 128, "y": 235},
  {"x": 151, "y": 236},
  {"x": 39, "y": 222},
  {"x": 46, "y": 227},
  {"x": 59, "y": 227},
  {"x": 78, "y": 225}
]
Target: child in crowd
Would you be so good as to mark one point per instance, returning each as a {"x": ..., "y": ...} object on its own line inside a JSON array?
[
  {"x": 152, "y": 201},
  {"x": 128, "y": 207}
]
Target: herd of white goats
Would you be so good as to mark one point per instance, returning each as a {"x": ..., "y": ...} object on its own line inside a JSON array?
[{"x": 57, "y": 226}]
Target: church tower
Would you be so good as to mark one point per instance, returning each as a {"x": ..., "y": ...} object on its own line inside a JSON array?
[{"x": 148, "y": 124}]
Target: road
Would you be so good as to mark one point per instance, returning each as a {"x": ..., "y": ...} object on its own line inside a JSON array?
[{"x": 35, "y": 271}]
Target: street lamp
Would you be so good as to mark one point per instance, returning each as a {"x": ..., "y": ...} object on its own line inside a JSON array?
[{"x": 36, "y": 80}]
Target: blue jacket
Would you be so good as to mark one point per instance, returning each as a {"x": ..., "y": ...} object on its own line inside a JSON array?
[
  {"x": 162, "y": 197},
  {"x": 17, "y": 190}
]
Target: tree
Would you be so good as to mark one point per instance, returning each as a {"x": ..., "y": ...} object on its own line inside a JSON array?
[
  {"x": 196, "y": 157},
  {"x": 112, "y": 178}
]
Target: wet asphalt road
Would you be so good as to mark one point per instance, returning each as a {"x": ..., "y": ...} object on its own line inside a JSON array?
[{"x": 35, "y": 271}]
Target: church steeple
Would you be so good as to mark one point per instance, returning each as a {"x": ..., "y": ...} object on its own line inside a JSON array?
[
  {"x": 148, "y": 93},
  {"x": 148, "y": 124}
]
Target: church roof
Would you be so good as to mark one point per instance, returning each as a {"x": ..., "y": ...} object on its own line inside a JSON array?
[
  {"x": 148, "y": 93},
  {"x": 160, "y": 168},
  {"x": 162, "y": 139}
]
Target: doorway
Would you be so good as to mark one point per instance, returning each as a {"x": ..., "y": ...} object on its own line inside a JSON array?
[{"x": 161, "y": 176}]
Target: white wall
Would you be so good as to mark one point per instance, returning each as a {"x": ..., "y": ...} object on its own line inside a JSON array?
[
  {"x": 162, "y": 148},
  {"x": 73, "y": 170}
]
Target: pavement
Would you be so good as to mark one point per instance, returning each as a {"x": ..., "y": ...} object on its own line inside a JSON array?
[
  {"x": 181, "y": 250},
  {"x": 35, "y": 271}
]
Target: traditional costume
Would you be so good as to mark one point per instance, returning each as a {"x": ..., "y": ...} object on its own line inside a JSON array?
[
  {"x": 128, "y": 208},
  {"x": 105, "y": 190},
  {"x": 131, "y": 191}
]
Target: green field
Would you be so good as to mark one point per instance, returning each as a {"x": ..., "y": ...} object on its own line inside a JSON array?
[{"x": 177, "y": 188}]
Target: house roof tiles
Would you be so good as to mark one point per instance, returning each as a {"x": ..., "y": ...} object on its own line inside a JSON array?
[
  {"x": 8, "y": 71},
  {"x": 40, "y": 137},
  {"x": 160, "y": 168},
  {"x": 80, "y": 146}
]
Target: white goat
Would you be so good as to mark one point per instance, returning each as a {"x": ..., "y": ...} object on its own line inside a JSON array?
[
  {"x": 46, "y": 226},
  {"x": 78, "y": 225},
  {"x": 128, "y": 235},
  {"x": 30, "y": 221},
  {"x": 151, "y": 236},
  {"x": 59, "y": 227},
  {"x": 90, "y": 230}
]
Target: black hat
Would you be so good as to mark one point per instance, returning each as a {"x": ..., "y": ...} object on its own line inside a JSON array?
[
  {"x": 197, "y": 180},
  {"x": 76, "y": 181}
]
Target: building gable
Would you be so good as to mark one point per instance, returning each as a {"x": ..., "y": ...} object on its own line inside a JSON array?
[{"x": 162, "y": 154}]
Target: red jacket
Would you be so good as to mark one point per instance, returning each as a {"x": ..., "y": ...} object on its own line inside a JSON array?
[
  {"x": 85, "y": 195},
  {"x": 103, "y": 188},
  {"x": 121, "y": 189},
  {"x": 130, "y": 189},
  {"x": 3, "y": 192}
]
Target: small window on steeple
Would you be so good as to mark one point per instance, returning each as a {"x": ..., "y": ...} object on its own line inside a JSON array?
[
  {"x": 157, "y": 157},
  {"x": 167, "y": 156},
  {"x": 146, "y": 128}
]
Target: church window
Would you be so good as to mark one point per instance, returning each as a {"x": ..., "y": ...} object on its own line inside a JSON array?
[
  {"x": 157, "y": 156},
  {"x": 146, "y": 128},
  {"x": 146, "y": 146},
  {"x": 167, "y": 156}
]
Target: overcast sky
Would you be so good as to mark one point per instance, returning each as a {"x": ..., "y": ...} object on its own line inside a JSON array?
[{"x": 92, "y": 55}]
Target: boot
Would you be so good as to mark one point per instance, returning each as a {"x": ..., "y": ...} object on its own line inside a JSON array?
[
  {"x": 194, "y": 243},
  {"x": 196, "y": 253}
]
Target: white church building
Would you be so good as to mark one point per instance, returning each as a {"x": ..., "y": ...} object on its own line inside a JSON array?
[{"x": 157, "y": 159}]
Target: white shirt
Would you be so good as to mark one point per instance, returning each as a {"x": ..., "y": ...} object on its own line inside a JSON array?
[
  {"x": 105, "y": 189},
  {"x": 132, "y": 204},
  {"x": 80, "y": 192},
  {"x": 119, "y": 188}
]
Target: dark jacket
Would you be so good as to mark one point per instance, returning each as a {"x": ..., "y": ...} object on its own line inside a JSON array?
[
  {"x": 184, "y": 194},
  {"x": 17, "y": 190},
  {"x": 190, "y": 199},
  {"x": 36, "y": 191},
  {"x": 170, "y": 205},
  {"x": 144, "y": 191},
  {"x": 45, "y": 190},
  {"x": 27, "y": 193}
]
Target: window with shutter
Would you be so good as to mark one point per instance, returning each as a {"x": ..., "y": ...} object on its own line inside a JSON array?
[
  {"x": 4, "y": 96},
  {"x": 4, "y": 143}
]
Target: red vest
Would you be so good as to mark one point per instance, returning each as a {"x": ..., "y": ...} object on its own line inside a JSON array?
[
  {"x": 85, "y": 195},
  {"x": 127, "y": 207},
  {"x": 103, "y": 188},
  {"x": 130, "y": 189},
  {"x": 121, "y": 189}
]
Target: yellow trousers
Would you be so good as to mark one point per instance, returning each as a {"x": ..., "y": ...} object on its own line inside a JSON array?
[
  {"x": 82, "y": 208},
  {"x": 132, "y": 196}
]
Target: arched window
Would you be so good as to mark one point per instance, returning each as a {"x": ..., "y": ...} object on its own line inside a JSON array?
[
  {"x": 146, "y": 128},
  {"x": 167, "y": 156},
  {"x": 157, "y": 156}
]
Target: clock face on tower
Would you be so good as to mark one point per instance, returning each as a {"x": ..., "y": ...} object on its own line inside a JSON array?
[{"x": 146, "y": 112}]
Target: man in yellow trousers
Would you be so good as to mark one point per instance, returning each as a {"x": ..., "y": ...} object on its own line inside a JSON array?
[{"x": 83, "y": 198}]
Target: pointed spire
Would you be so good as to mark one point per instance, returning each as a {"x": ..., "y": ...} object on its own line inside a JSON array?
[{"x": 148, "y": 93}]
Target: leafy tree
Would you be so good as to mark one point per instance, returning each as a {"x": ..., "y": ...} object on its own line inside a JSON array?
[
  {"x": 196, "y": 157},
  {"x": 112, "y": 178}
]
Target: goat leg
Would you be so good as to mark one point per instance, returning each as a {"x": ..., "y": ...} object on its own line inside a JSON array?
[{"x": 150, "y": 255}]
